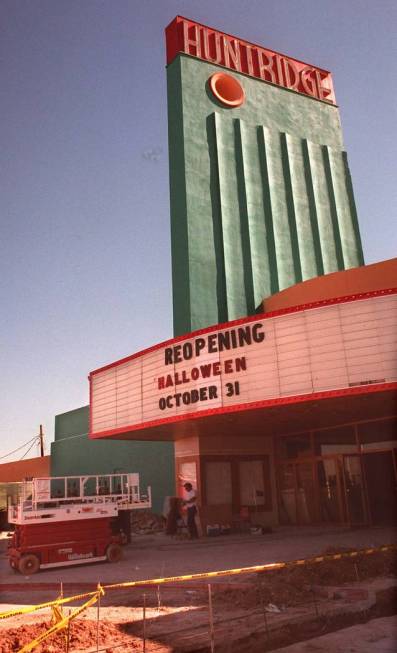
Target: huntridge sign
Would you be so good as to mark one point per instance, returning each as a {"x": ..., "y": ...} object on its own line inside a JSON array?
[
  {"x": 241, "y": 363},
  {"x": 191, "y": 38}
]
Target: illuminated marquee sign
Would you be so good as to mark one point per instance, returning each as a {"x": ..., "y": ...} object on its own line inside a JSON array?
[
  {"x": 257, "y": 359},
  {"x": 186, "y": 36}
]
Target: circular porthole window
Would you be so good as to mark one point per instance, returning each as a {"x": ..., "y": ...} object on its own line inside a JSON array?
[{"x": 227, "y": 89}]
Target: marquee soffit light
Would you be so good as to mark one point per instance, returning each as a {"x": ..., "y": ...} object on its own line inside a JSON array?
[{"x": 227, "y": 89}]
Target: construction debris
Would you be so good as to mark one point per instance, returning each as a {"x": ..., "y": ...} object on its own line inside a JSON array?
[{"x": 144, "y": 522}]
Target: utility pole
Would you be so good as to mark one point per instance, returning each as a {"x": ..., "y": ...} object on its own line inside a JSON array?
[{"x": 41, "y": 436}]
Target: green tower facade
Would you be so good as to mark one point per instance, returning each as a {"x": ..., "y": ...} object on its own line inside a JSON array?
[{"x": 261, "y": 194}]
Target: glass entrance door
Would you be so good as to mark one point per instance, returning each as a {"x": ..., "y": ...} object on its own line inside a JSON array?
[
  {"x": 288, "y": 507},
  {"x": 381, "y": 480},
  {"x": 305, "y": 493},
  {"x": 329, "y": 484},
  {"x": 354, "y": 490},
  {"x": 297, "y": 493}
]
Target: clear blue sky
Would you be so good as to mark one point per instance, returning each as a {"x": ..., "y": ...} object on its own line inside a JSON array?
[{"x": 85, "y": 247}]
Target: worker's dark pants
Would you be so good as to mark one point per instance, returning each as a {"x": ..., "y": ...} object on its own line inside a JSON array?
[{"x": 191, "y": 524}]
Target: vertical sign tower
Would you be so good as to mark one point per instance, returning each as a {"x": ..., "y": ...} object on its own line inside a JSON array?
[{"x": 261, "y": 195}]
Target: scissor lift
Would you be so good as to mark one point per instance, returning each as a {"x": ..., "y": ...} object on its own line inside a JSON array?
[{"x": 70, "y": 520}]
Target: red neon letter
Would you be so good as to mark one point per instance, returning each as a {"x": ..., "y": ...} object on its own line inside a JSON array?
[
  {"x": 218, "y": 53},
  {"x": 234, "y": 55},
  {"x": 250, "y": 65},
  {"x": 187, "y": 42},
  {"x": 288, "y": 69},
  {"x": 323, "y": 91},
  {"x": 307, "y": 81},
  {"x": 266, "y": 67}
]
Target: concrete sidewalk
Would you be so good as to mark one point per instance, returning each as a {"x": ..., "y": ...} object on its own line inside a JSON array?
[
  {"x": 378, "y": 635},
  {"x": 158, "y": 556}
]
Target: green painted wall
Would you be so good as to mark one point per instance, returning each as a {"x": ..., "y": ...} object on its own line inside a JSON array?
[
  {"x": 261, "y": 195},
  {"x": 73, "y": 453}
]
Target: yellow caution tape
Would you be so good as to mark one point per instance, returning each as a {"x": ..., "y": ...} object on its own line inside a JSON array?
[
  {"x": 206, "y": 574},
  {"x": 200, "y": 576},
  {"x": 60, "y": 625},
  {"x": 57, "y": 614},
  {"x": 33, "y": 608}
]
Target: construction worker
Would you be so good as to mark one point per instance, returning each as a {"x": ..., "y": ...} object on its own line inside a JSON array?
[{"x": 190, "y": 503}]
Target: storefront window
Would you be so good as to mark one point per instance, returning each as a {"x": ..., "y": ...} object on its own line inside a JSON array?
[
  {"x": 252, "y": 486},
  {"x": 218, "y": 483}
]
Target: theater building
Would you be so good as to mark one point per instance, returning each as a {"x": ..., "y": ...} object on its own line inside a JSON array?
[{"x": 279, "y": 386}]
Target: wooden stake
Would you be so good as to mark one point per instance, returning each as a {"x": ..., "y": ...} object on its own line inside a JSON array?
[
  {"x": 211, "y": 619},
  {"x": 158, "y": 598},
  {"x": 263, "y": 608},
  {"x": 98, "y": 607},
  {"x": 158, "y": 588},
  {"x": 314, "y": 600},
  {"x": 60, "y": 609},
  {"x": 144, "y": 624},
  {"x": 68, "y": 633}
]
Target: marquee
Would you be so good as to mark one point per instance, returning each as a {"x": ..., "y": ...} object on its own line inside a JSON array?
[{"x": 339, "y": 345}]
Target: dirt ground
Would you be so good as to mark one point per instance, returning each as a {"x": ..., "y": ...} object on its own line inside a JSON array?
[{"x": 250, "y": 613}]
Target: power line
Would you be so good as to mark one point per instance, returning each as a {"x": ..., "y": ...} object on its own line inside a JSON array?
[
  {"x": 19, "y": 448},
  {"x": 26, "y": 452}
]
